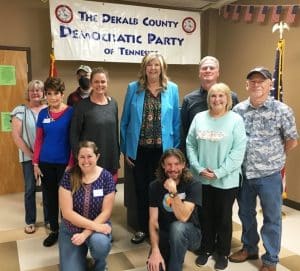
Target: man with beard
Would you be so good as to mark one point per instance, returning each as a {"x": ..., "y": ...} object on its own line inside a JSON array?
[{"x": 173, "y": 223}]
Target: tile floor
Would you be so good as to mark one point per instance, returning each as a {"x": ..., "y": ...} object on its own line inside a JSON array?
[{"x": 22, "y": 252}]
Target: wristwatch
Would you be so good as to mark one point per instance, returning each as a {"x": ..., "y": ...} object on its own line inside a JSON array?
[{"x": 173, "y": 195}]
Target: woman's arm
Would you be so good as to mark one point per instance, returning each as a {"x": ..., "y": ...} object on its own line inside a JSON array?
[
  {"x": 98, "y": 224},
  {"x": 17, "y": 137}
]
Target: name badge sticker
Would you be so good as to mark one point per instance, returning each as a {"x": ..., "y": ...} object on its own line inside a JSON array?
[
  {"x": 98, "y": 193},
  {"x": 47, "y": 120}
]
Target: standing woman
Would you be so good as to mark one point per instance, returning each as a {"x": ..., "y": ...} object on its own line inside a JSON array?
[
  {"x": 216, "y": 144},
  {"x": 96, "y": 119},
  {"x": 86, "y": 199},
  {"x": 24, "y": 119},
  {"x": 149, "y": 125},
  {"x": 52, "y": 149}
]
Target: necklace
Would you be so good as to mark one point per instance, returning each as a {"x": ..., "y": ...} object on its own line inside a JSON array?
[{"x": 49, "y": 115}]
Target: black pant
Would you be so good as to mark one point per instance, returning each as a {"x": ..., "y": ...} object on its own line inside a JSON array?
[
  {"x": 146, "y": 164},
  {"x": 50, "y": 183},
  {"x": 216, "y": 219}
]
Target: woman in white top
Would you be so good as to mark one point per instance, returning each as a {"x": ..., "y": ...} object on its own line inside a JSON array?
[{"x": 23, "y": 132}]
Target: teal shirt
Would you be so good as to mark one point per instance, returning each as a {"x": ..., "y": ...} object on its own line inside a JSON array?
[{"x": 218, "y": 144}]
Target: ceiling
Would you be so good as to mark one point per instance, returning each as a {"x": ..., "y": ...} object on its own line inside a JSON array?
[{"x": 195, "y": 5}]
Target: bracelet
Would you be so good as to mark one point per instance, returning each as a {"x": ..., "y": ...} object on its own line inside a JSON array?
[{"x": 173, "y": 195}]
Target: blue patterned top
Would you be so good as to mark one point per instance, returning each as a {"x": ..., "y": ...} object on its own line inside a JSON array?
[
  {"x": 267, "y": 129},
  {"x": 87, "y": 201}
]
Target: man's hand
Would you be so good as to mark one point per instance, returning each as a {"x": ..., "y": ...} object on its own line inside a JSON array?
[
  {"x": 170, "y": 185},
  {"x": 155, "y": 260}
]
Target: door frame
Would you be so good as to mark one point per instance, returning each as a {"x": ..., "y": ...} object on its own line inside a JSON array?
[{"x": 28, "y": 56}]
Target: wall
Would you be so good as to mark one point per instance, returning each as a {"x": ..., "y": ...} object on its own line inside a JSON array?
[
  {"x": 27, "y": 24},
  {"x": 241, "y": 46}
]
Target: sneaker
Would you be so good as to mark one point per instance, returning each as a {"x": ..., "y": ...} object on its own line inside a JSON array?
[
  {"x": 221, "y": 262},
  {"x": 202, "y": 258},
  {"x": 138, "y": 237},
  {"x": 51, "y": 239}
]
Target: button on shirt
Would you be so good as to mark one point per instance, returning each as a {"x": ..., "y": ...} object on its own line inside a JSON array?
[{"x": 267, "y": 129}]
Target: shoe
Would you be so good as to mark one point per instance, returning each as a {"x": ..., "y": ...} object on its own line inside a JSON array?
[
  {"x": 202, "y": 258},
  {"x": 138, "y": 237},
  {"x": 221, "y": 262},
  {"x": 29, "y": 229},
  {"x": 266, "y": 267},
  {"x": 242, "y": 256},
  {"x": 51, "y": 239}
]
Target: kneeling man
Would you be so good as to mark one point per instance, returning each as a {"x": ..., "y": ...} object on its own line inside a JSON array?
[{"x": 174, "y": 227}]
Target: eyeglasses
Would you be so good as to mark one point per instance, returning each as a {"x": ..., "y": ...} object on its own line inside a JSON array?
[{"x": 256, "y": 82}]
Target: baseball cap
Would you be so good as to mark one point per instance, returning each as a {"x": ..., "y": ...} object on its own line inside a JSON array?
[
  {"x": 84, "y": 68},
  {"x": 261, "y": 70}
]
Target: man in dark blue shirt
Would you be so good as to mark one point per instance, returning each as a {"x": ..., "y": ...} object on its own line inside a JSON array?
[{"x": 196, "y": 101}]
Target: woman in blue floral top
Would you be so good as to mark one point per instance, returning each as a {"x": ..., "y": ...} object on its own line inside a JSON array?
[{"x": 86, "y": 197}]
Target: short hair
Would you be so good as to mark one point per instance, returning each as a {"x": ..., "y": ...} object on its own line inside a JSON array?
[
  {"x": 54, "y": 83},
  {"x": 34, "y": 84},
  {"x": 99, "y": 70},
  {"x": 142, "y": 77},
  {"x": 209, "y": 58},
  {"x": 220, "y": 87},
  {"x": 186, "y": 175}
]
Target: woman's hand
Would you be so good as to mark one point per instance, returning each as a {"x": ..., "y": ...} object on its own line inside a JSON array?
[
  {"x": 129, "y": 162},
  {"x": 208, "y": 174},
  {"x": 37, "y": 172},
  {"x": 103, "y": 228},
  {"x": 79, "y": 238}
]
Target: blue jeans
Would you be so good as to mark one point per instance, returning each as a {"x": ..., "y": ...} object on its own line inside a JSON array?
[
  {"x": 29, "y": 195},
  {"x": 73, "y": 257},
  {"x": 269, "y": 190},
  {"x": 174, "y": 245}
]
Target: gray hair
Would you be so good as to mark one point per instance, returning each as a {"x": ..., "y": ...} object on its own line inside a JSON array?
[{"x": 209, "y": 58}]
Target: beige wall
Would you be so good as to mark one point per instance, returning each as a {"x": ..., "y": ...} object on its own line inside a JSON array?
[
  {"x": 239, "y": 46},
  {"x": 27, "y": 24}
]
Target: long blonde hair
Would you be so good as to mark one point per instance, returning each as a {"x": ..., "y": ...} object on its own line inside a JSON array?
[
  {"x": 76, "y": 173},
  {"x": 163, "y": 78}
]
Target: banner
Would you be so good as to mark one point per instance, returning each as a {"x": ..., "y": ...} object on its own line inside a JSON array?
[{"x": 96, "y": 31}]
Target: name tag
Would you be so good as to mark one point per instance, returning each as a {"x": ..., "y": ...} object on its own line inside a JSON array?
[
  {"x": 98, "y": 193},
  {"x": 48, "y": 120}
]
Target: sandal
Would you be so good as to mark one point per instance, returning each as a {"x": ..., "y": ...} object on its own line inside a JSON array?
[{"x": 29, "y": 229}]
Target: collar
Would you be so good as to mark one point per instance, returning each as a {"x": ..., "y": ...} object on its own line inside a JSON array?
[{"x": 267, "y": 103}]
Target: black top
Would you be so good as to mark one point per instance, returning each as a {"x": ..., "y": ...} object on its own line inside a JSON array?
[
  {"x": 159, "y": 197},
  {"x": 98, "y": 123}
]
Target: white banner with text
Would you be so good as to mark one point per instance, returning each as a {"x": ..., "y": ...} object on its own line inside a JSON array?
[{"x": 97, "y": 31}]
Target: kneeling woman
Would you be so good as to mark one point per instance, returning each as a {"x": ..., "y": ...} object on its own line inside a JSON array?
[{"x": 86, "y": 197}]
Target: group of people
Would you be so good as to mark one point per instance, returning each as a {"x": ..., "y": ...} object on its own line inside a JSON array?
[{"x": 229, "y": 150}]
